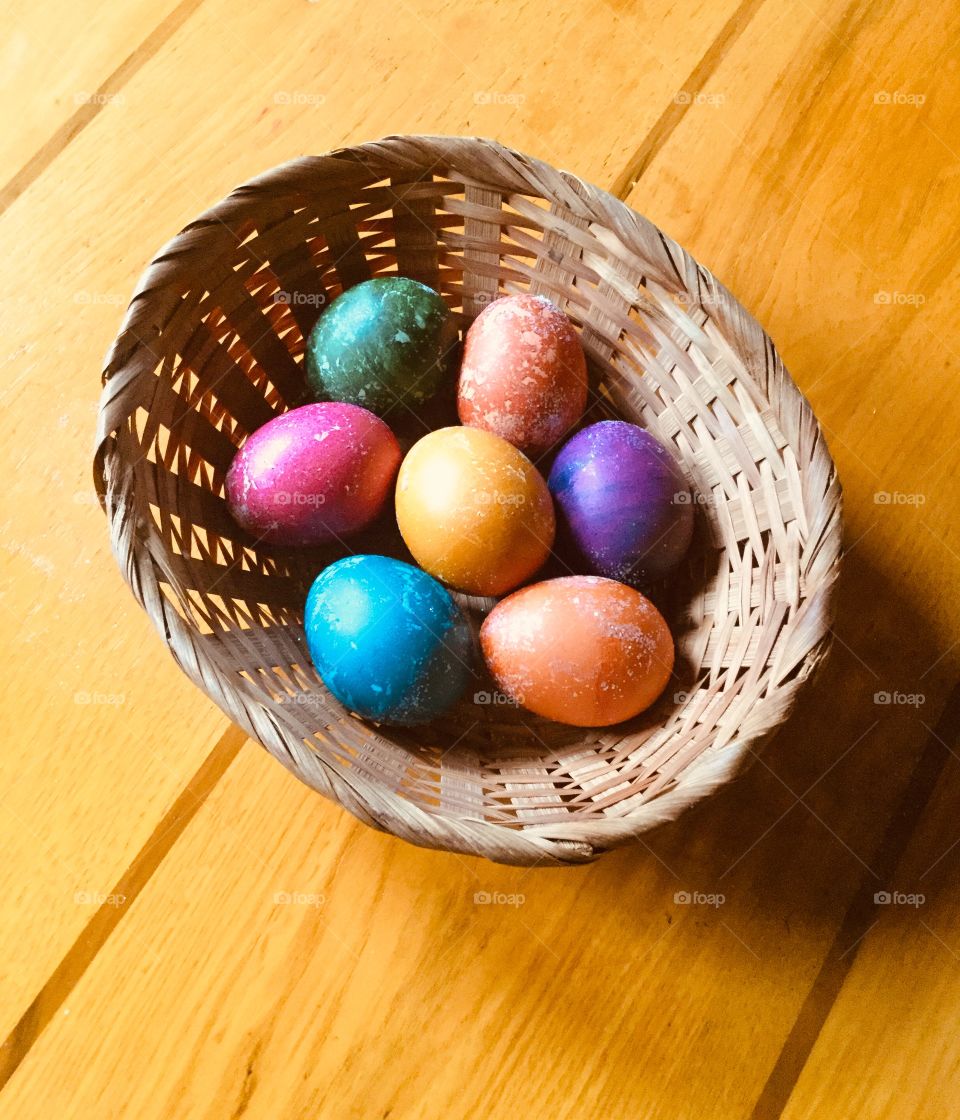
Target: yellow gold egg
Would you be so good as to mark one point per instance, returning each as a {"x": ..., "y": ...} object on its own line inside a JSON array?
[{"x": 474, "y": 511}]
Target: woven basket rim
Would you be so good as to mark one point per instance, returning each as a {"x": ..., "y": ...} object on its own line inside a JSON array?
[{"x": 131, "y": 358}]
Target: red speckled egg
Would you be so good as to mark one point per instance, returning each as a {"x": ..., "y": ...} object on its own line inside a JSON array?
[
  {"x": 582, "y": 650},
  {"x": 314, "y": 474},
  {"x": 524, "y": 376}
]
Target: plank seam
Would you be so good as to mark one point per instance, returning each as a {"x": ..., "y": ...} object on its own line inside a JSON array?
[
  {"x": 86, "y": 113},
  {"x": 107, "y": 917},
  {"x": 668, "y": 121},
  {"x": 862, "y": 914}
]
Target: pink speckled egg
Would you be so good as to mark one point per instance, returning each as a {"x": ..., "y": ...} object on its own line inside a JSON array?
[
  {"x": 524, "y": 375},
  {"x": 314, "y": 474},
  {"x": 582, "y": 650}
]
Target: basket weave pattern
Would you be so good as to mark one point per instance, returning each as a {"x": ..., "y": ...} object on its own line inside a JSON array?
[{"x": 212, "y": 347}]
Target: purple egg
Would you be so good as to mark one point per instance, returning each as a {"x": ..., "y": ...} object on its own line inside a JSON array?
[
  {"x": 314, "y": 474},
  {"x": 622, "y": 503}
]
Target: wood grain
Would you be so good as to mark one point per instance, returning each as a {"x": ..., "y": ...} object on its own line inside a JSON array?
[
  {"x": 66, "y": 87},
  {"x": 153, "y": 159},
  {"x": 105, "y": 916},
  {"x": 863, "y": 917},
  {"x": 378, "y": 960},
  {"x": 887, "y": 1048},
  {"x": 282, "y": 961}
]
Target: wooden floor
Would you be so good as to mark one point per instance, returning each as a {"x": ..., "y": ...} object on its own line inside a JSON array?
[{"x": 187, "y": 931}]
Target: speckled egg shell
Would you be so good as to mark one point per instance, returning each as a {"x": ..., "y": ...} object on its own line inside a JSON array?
[
  {"x": 622, "y": 502},
  {"x": 383, "y": 343},
  {"x": 388, "y": 641},
  {"x": 524, "y": 375},
  {"x": 474, "y": 511},
  {"x": 314, "y": 474},
  {"x": 581, "y": 650}
]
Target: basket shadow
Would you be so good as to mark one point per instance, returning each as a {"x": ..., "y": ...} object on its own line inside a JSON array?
[
  {"x": 783, "y": 849},
  {"x": 798, "y": 830}
]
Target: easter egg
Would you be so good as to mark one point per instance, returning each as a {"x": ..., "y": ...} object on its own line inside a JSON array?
[
  {"x": 382, "y": 343},
  {"x": 622, "y": 502},
  {"x": 387, "y": 639},
  {"x": 524, "y": 375},
  {"x": 314, "y": 474},
  {"x": 581, "y": 650},
  {"x": 473, "y": 510}
]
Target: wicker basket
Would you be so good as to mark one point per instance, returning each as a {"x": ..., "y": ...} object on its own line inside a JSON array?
[{"x": 212, "y": 347}]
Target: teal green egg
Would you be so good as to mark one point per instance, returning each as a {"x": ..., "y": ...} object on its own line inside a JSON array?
[{"x": 381, "y": 343}]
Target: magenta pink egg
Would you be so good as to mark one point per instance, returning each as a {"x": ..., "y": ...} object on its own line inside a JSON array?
[
  {"x": 524, "y": 374},
  {"x": 314, "y": 474}
]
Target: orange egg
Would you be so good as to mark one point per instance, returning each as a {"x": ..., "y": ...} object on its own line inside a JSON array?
[
  {"x": 474, "y": 511},
  {"x": 581, "y": 650}
]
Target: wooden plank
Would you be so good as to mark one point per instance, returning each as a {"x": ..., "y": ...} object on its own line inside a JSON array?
[
  {"x": 332, "y": 972},
  {"x": 107, "y": 908},
  {"x": 856, "y": 225},
  {"x": 138, "y": 172},
  {"x": 859, "y": 274},
  {"x": 99, "y": 745},
  {"x": 61, "y": 63},
  {"x": 888, "y": 1047},
  {"x": 397, "y": 994}
]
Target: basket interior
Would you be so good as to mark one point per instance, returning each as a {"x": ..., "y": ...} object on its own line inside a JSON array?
[{"x": 226, "y": 355}]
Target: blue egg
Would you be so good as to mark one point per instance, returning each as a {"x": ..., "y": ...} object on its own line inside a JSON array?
[{"x": 387, "y": 639}]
